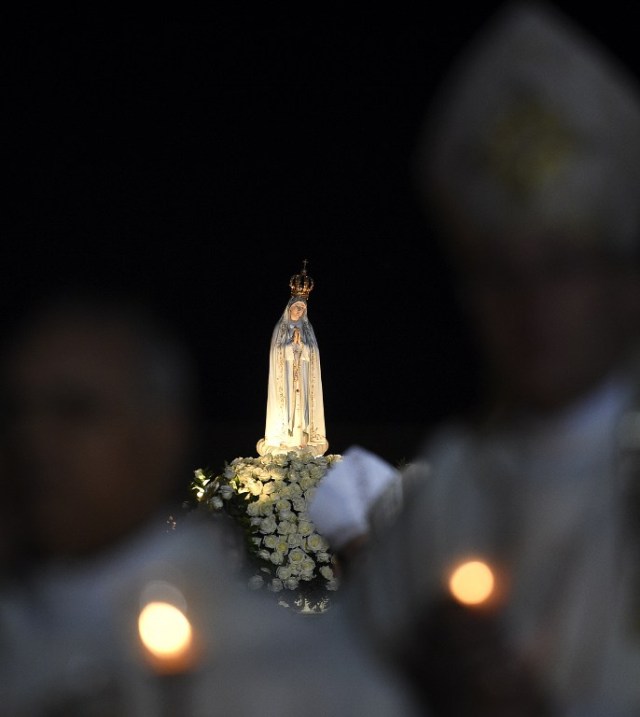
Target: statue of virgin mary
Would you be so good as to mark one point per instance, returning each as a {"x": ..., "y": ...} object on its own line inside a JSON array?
[{"x": 295, "y": 406}]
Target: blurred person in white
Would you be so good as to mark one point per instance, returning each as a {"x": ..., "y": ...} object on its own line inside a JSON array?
[
  {"x": 529, "y": 167},
  {"x": 99, "y": 418}
]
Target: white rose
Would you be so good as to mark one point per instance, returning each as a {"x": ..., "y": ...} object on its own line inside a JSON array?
[
  {"x": 268, "y": 525},
  {"x": 285, "y": 527},
  {"x": 295, "y": 491},
  {"x": 254, "y": 486},
  {"x": 265, "y": 507},
  {"x": 308, "y": 565},
  {"x": 317, "y": 472},
  {"x": 316, "y": 542},
  {"x": 296, "y": 556},
  {"x": 263, "y": 474},
  {"x": 255, "y": 582},
  {"x": 296, "y": 464},
  {"x": 305, "y": 527},
  {"x": 253, "y": 508},
  {"x": 299, "y": 504},
  {"x": 283, "y": 572},
  {"x": 277, "y": 558},
  {"x": 270, "y": 541},
  {"x": 275, "y": 586},
  {"x": 326, "y": 572}
]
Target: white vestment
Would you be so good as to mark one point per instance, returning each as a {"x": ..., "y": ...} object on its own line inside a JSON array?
[
  {"x": 352, "y": 491},
  {"x": 69, "y": 641},
  {"x": 545, "y": 503},
  {"x": 295, "y": 405}
]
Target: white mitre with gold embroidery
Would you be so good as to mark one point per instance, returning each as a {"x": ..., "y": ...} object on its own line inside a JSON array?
[{"x": 536, "y": 126}]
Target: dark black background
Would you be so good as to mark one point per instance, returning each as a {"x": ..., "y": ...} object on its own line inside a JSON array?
[{"x": 201, "y": 159}]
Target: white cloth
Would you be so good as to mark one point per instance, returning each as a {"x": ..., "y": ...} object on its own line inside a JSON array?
[
  {"x": 69, "y": 642},
  {"x": 542, "y": 502},
  {"x": 341, "y": 506},
  {"x": 295, "y": 403}
]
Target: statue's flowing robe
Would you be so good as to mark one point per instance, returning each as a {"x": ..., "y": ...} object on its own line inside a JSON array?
[{"x": 295, "y": 405}]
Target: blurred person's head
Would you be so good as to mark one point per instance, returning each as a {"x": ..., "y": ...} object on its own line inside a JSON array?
[
  {"x": 98, "y": 421},
  {"x": 530, "y": 168},
  {"x": 551, "y": 320}
]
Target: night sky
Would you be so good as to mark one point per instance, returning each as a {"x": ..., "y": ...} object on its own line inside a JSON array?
[{"x": 202, "y": 160}]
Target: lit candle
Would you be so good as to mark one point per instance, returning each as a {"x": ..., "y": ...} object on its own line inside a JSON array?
[
  {"x": 169, "y": 644},
  {"x": 472, "y": 583},
  {"x": 167, "y": 636}
]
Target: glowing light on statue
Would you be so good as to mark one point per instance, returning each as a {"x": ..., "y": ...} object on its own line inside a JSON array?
[{"x": 472, "y": 582}]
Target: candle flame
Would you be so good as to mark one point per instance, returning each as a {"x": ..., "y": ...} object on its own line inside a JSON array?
[
  {"x": 166, "y": 633},
  {"x": 472, "y": 583}
]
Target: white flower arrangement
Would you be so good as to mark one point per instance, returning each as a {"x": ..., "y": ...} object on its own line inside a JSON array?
[{"x": 268, "y": 498}]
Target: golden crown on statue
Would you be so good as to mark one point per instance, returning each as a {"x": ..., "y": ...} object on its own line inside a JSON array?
[{"x": 301, "y": 284}]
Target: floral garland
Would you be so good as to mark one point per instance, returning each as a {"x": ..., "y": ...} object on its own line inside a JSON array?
[{"x": 268, "y": 498}]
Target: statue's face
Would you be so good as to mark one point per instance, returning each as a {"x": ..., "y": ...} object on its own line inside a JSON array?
[{"x": 296, "y": 310}]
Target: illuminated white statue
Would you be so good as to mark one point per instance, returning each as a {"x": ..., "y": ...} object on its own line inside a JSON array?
[{"x": 295, "y": 407}]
